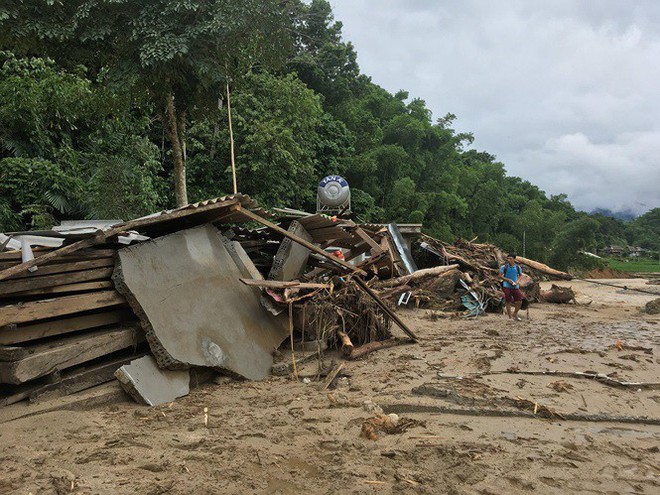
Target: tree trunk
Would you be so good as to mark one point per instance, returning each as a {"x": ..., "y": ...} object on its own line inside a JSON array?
[
  {"x": 177, "y": 129},
  {"x": 544, "y": 268}
]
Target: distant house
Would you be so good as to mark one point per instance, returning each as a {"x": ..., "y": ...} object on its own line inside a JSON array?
[
  {"x": 614, "y": 251},
  {"x": 636, "y": 252}
]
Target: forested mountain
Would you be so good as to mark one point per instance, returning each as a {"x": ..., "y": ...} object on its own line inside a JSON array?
[{"x": 117, "y": 109}]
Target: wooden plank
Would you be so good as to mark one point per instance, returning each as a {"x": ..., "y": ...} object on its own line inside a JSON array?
[
  {"x": 11, "y": 334},
  {"x": 330, "y": 234},
  {"x": 71, "y": 351},
  {"x": 278, "y": 284},
  {"x": 226, "y": 206},
  {"x": 375, "y": 248},
  {"x": 302, "y": 242},
  {"x": 69, "y": 288},
  {"x": 58, "y": 268},
  {"x": 42, "y": 284},
  {"x": 12, "y": 353},
  {"x": 50, "y": 308},
  {"x": 82, "y": 378},
  {"x": 12, "y": 258}
]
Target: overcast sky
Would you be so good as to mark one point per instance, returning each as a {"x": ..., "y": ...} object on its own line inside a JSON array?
[{"x": 566, "y": 93}]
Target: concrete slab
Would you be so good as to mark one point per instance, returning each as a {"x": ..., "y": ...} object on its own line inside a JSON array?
[
  {"x": 247, "y": 268},
  {"x": 291, "y": 258},
  {"x": 185, "y": 289},
  {"x": 143, "y": 380}
]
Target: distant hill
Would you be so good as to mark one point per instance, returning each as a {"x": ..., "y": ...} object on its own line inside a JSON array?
[{"x": 625, "y": 215}]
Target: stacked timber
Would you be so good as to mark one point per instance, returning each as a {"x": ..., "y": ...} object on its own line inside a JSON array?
[{"x": 63, "y": 326}]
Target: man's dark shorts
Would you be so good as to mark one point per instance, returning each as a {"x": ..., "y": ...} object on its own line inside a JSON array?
[{"x": 512, "y": 295}]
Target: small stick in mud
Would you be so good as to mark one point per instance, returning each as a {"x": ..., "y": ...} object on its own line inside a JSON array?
[{"x": 333, "y": 375}]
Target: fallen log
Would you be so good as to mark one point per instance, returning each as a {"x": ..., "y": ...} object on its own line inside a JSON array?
[
  {"x": 415, "y": 276},
  {"x": 365, "y": 349},
  {"x": 544, "y": 268}
]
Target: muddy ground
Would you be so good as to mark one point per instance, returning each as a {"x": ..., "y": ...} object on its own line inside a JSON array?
[{"x": 282, "y": 436}]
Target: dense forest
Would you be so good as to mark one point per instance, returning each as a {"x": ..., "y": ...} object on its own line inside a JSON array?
[{"x": 115, "y": 109}]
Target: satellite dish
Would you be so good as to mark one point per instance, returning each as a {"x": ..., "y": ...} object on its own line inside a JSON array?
[{"x": 333, "y": 195}]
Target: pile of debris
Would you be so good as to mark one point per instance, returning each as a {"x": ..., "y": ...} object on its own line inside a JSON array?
[
  {"x": 201, "y": 289},
  {"x": 466, "y": 274},
  {"x": 187, "y": 289}
]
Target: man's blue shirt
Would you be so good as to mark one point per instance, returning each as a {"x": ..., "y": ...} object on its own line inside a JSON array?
[{"x": 511, "y": 272}]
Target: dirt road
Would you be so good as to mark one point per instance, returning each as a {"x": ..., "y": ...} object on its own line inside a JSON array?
[{"x": 282, "y": 436}]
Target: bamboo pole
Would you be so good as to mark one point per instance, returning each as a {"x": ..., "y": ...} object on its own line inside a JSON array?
[
  {"x": 231, "y": 143},
  {"x": 293, "y": 355}
]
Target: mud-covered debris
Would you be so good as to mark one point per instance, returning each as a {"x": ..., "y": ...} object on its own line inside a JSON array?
[
  {"x": 653, "y": 307},
  {"x": 390, "y": 424}
]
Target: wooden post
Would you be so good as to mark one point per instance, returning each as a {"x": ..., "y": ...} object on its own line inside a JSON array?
[{"x": 231, "y": 143}]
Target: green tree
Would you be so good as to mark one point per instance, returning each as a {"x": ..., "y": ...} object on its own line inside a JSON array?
[
  {"x": 644, "y": 231},
  {"x": 284, "y": 143},
  {"x": 181, "y": 52},
  {"x": 33, "y": 192},
  {"x": 89, "y": 136},
  {"x": 574, "y": 237}
]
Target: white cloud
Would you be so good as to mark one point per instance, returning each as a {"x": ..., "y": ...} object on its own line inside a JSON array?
[
  {"x": 565, "y": 93},
  {"x": 622, "y": 174}
]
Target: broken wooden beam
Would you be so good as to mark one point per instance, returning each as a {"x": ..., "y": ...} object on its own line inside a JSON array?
[
  {"x": 279, "y": 284},
  {"x": 71, "y": 351},
  {"x": 385, "y": 308},
  {"x": 13, "y": 334},
  {"x": 50, "y": 308}
]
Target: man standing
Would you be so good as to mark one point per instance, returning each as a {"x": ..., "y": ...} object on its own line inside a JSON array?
[{"x": 510, "y": 272}]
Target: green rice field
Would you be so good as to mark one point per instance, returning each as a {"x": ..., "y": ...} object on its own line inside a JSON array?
[{"x": 643, "y": 265}]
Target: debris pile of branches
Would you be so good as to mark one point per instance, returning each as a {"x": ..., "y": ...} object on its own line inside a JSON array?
[{"x": 346, "y": 319}]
